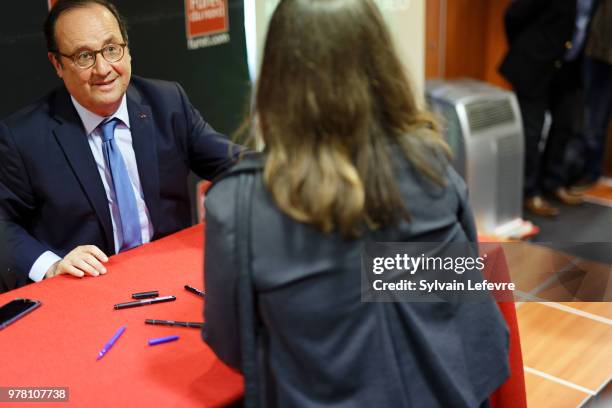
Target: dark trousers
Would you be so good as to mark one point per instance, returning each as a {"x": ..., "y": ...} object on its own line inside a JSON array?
[
  {"x": 545, "y": 168},
  {"x": 598, "y": 106}
]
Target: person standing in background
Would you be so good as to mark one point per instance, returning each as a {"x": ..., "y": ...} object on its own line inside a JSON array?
[
  {"x": 598, "y": 94},
  {"x": 544, "y": 66}
]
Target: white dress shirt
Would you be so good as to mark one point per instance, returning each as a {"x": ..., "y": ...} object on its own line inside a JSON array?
[{"x": 123, "y": 139}]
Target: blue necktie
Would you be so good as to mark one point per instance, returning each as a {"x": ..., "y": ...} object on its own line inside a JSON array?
[{"x": 126, "y": 201}]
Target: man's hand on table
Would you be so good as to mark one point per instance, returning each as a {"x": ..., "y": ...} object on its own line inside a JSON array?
[{"x": 84, "y": 259}]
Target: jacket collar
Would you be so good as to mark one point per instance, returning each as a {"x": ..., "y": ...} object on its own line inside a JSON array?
[{"x": 144, "y": 137}]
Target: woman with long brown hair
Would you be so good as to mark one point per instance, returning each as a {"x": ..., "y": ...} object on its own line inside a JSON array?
[{"x": 349, "y": 158}]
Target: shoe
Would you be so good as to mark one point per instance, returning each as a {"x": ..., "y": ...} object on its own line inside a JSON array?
[
  {"x": 537, "y": 205},
  {"x": 567, "y": 197}
]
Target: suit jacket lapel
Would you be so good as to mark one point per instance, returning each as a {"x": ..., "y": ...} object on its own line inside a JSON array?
[
  {"x": 70, "y": 135},
  {"x": 144, "y": 143}
]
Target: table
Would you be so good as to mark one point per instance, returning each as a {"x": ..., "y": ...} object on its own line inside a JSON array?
[{"x": 57, "y": 344}]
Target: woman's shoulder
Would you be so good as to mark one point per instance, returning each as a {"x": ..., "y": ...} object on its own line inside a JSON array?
[
  {"x": 221, "y": 196},
  {"x": 430, "y": 155},
  {"x": 250, "y": 164}
]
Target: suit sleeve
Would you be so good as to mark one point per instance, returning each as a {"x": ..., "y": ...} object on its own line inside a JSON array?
[
  {"x": 222, "y": 331},
  {"x": 17, "y": 209},
  {"x": 520, "y": 14},
  {"x": 209, "y": 152}
]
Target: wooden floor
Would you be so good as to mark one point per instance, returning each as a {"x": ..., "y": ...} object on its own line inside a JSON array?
[
  {"x": 542, "y": 392},
  {"x": 601, "y": 193},
  {"x": 567, "y": 351},
  {"x": 567, "y": 347}
]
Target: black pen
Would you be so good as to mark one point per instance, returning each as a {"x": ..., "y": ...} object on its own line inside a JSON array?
[
  {"x": 194, "y": 290},
  {"x": 145, "y": 302},
  {"x": 194, "y": 325}
]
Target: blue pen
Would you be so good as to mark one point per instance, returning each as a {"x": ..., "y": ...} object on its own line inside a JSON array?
[
  {"x": 110, "y": 343},
  {"x": 160, "y": 340}
]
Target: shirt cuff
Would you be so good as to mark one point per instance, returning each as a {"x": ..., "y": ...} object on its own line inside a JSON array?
[{"x": 42, "y": 265}]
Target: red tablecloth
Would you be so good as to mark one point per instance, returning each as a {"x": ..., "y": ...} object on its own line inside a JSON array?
[
  {"x": 57, "y": 344},
  {"x": 512, "y": 393}
]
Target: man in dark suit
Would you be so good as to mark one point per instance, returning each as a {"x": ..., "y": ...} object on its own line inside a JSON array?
[
  {"x": 543, "y": 65},
  {"x": 598, "y": 94},
  {"x": 100, "y": 165}
]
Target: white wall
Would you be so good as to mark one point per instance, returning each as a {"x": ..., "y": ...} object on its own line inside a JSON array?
[{"x": 406, "y": 19}]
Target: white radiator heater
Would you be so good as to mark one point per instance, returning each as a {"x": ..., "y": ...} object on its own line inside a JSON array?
[{"x": 483, "y": 127}]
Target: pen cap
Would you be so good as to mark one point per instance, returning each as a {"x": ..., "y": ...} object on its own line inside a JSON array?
[
  {"x": 145, "y": 295},
  {"x": 161, "y": 340}
]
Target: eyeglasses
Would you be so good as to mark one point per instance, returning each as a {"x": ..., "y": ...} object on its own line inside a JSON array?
[{"x": 87, "y": 59}]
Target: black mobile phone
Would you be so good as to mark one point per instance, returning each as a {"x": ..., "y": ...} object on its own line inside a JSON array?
[{"x": 16, "y": 309}]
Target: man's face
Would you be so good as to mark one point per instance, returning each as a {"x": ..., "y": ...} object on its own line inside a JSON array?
[{"x": 101, "y": 87}]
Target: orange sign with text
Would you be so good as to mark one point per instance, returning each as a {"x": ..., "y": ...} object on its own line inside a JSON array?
[{"x": 206, "y": 17}]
